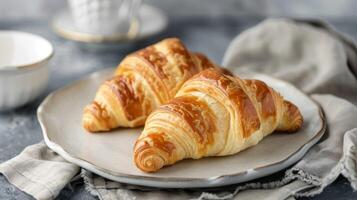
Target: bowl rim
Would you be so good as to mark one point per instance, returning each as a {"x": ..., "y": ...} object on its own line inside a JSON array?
[{"x": 31, "y": 65}]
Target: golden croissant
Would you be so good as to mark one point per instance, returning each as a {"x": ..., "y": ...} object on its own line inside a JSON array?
[
  {"x": 143, "y": 81},
  {"x": 213, "y": 114}
]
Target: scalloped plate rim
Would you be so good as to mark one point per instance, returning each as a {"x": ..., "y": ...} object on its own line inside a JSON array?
[{"x": 170, "y": 182}]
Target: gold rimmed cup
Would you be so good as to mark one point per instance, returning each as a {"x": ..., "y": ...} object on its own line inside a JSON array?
[
  {"x": 102, "y": 21},
  {"x": 75, "y": 35}
]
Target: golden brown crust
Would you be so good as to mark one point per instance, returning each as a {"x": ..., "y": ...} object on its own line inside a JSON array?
[
  {"x": 123, "y": 89},
  {"x": 292, "y": 119},
  {"x": 197, "y": 115},
  {"x": 264, "y": 96},
  {"x": 96, "y": 114},
  {"x": 155, "y": 60},
  {"x": 213, "y": 114},
  {"x": 152, "y": 156},
  {"x": 143, "y": 81}
]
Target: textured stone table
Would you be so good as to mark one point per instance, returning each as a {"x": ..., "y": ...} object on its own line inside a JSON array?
[{"x": 19, "y": 128}]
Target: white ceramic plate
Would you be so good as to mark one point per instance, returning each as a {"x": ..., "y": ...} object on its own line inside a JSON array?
[
  {"x": 110, "y": 154},
  {"x": 151, "y": 21}
]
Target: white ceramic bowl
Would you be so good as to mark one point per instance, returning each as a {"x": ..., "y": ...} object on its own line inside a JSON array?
[{"x": 23, "y": 67}]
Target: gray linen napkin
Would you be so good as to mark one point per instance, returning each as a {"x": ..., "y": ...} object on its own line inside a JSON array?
[
  {"x": 312, "y": 56},
  {"x": 39, "y": 172}
]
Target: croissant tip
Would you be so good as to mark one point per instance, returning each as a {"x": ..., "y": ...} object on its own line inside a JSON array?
[
  {"x": 294, "y": 120},
  {"x": 89, "y": 125},
  {"x": 91, "y": 121},
  {"x": 150, "y": 164},
  {"x": 296, "y": 124},
  {"x": 147, "y": 158}
]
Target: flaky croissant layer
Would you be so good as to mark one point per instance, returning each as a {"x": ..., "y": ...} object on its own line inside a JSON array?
[
  {"x": 143, "y": 81},
  {"x": 213, "y": 114}
]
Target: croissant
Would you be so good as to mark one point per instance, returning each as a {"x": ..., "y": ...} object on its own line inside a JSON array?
[
  {"x": 213, "y": 114},
  {"x": 143, "y": 81}
]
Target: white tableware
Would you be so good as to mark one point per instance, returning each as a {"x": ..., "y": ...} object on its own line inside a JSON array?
[
  {"x": 110, "y": 154},
  {"x": 23, "y": 67},
  {"x": 150, "y": 21},
  {"x": 103, "y": 16}
]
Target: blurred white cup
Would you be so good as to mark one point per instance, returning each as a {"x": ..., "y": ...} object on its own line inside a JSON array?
[{"x": 104, "y": 17}]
